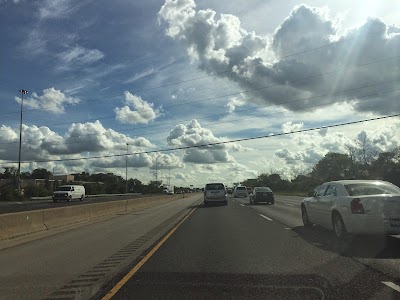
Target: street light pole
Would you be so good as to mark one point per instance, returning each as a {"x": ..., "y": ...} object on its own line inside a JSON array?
[
  {"x": 156, "y": 169},
  {"x": 23, "y": 92},
  {"x": 126, "y": 169}
]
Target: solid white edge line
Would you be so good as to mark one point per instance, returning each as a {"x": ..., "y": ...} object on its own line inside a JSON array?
[
  {"x": 265, "y": 217},
  {"x": 288, "y": 204},
  {"x": 392, "y": 285}
]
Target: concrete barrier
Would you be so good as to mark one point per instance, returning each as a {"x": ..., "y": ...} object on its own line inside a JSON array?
[
  {"x": 108, "y": 208},
  {"x": 23, "y": 223}
]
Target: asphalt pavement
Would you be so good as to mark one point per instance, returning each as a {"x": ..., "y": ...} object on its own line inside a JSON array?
[
  {"x": 76, "y": 263},
  {"x": 244, "y": 251},
  {"x": 182, "y": 250}
]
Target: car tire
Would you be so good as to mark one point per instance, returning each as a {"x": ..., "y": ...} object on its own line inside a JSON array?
[
  {"x": 338, "y": 226},
  {"x": 205, "y": 203},
  {"x": 81, "y": 199},
  {"x": 304, "y": 217},
  {"x": 69, "y": 198}
]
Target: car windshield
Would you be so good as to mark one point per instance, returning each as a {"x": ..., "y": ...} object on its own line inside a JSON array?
[
  {"x": 169, "y": 149},
  {"x": 360, "y": 189},
  {"x": 215, "y": 187},
  {"x": 64, "y": 188}
]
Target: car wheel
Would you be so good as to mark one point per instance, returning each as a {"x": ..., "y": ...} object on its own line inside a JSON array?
[
  {"x": 205, "y": 203},
  {"x": 273, "y": 202},
  {"x": 304, "y": 217},
  {"x": 69, "y": 198},
  {"x": 81, "y": 199},
  {"x": 338, "y": 226}
]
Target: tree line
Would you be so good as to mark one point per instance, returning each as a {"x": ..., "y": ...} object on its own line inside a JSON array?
[
  {"x": 364, "y": 163},
  {"x": 100, "y": 183}
]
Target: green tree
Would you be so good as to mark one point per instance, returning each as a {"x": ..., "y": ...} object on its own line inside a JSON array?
[
  {"x": 41, "y": 174},
  {"x": 334, "y": 166}
]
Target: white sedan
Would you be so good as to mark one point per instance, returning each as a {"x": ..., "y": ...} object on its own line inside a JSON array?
[{"x": 370, "y": 207}]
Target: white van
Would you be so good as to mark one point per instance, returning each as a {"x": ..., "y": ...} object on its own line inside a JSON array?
[{"x": 69, "y": 192}]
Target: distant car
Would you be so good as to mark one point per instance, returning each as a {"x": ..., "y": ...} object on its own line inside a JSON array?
[
  {"x": 262, "y": 194},
  {"x": 215, "y": 193},
  {"x": 370, "y": 207},
  {"x": 240, "y": 191},
  {"x": 229, "y": 191},
  {"x": 249, "y": 190}
]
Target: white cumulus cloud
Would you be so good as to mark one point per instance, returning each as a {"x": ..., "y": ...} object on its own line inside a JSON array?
[
  {"x": 143, "y": 111},
  {"x": 193, "y": 134},
  {"x": 265, "y": 67},
  {"x": 51, "y": 100}
]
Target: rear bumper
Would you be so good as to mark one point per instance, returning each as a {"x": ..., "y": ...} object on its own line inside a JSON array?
[
  {"x": 264, "y": 200},
  {"x": 241, "y": 195},
  {"x": 371, "y": 226},
  {"x": 223, "y": 199}
]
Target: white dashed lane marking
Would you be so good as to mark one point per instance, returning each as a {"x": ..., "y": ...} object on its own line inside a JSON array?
[
  {"x": 288, "y": 204},
  {"x": 241, "y": 204},
  {"x": 265, "y": 217},
  {"x": 392, "y": 285}
]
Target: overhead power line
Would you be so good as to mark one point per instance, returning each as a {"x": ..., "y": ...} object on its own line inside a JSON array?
[
  {"x": 211, "y": 144},
  {"x": 218, "y": 73}
]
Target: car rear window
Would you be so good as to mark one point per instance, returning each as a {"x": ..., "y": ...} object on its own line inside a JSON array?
[
  {"x": 262, "y": 189},
  {"x": 360, "y": 189},
  {"x": 215, "y": 187},
  {"x": 240, "y": 188}
]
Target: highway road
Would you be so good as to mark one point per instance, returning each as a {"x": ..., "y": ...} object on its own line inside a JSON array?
[
  {"x": 243, "y": 251},
  {"x": 239, "y": 251}
]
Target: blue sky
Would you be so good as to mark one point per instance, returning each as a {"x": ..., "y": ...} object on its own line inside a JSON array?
[{"x": 158, "y": 74}]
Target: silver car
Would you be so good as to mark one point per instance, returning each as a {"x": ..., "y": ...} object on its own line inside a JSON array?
[
  {"x": 215, "y": 193},
  {"x": 370, "y": 207}
]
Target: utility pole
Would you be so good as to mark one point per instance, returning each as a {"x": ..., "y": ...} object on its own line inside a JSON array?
[
  {"x": 23, "y": 92},
  {"x": 169, "y": 176},
  {"x": 156, "y": 168},
  {"x": 126, "y": 169}
]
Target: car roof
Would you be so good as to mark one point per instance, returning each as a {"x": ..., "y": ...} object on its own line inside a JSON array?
[{"x": 356, "y": 181}]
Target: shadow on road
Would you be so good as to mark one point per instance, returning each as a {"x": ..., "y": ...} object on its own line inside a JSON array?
[
  {"x": 210, "y": 205},
  {"x": 359, "y": 246}
]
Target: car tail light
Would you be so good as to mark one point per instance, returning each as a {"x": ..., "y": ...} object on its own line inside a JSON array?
[{"x": 356, "y": 206}]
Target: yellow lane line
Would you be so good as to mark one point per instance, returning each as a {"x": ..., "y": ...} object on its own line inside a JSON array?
[{"x": 136, "y": 268}]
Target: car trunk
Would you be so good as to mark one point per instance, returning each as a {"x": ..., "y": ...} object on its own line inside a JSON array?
[
  {"x": 264, "y": 196},
  {"x": 214, "y": 194},
  {"x": 386, "y": 206}
]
